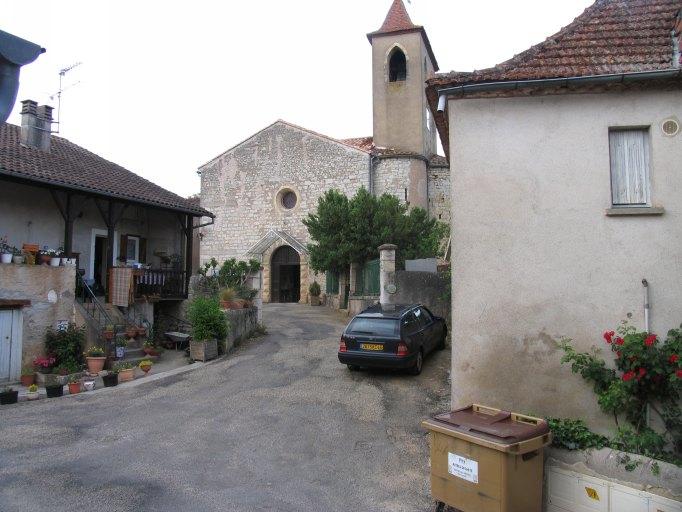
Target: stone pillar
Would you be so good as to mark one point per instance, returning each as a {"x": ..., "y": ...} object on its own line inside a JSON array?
[
  {"x": 305, "y": 280},
  {"x": 343, "y": 282},
  {"x": 354, "y": 271},
  {"x": 387, "y": 273},
  {"x": 257, "y": 284}
]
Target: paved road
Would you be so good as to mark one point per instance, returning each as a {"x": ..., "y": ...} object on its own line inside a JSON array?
[{"x": 279, "y": 425}]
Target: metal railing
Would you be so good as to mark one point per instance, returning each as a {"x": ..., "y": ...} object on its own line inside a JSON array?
[{"x": 91, "y": 304}]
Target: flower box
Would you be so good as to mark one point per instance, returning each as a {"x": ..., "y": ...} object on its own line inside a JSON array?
[{"x": 203, "y": 350}]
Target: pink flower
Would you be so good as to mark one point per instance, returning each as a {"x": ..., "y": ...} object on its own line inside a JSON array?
[
  {"x": 679, "y": 374},
  {"x": 608, "y": 335},
  {"x": 642, "y": 373},
  {"x": 674, "y": 358},
  {"x": 619, "y": 341},
  {"x": 650, "y": 340}
]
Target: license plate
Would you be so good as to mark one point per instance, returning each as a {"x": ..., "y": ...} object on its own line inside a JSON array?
[{"x": 371, "y": 346}]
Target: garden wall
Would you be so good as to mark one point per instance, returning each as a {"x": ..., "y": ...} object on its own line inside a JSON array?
[
  {"x": 425, "y": 288},
  {"x": 51, "y": 292},
  {"x": 243, "y": 323}
]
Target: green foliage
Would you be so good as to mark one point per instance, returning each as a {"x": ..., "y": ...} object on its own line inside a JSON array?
[
  {"x": 232, "y": 274},
  {"x": 574, "y": 435},
  {"x": 66, "y": 345},
  {"x": 207, "y": 319},
  {"x": 314, "y": 289},
  {"x": 647, "y": 379},
  {"x": 346, "y": 231}
]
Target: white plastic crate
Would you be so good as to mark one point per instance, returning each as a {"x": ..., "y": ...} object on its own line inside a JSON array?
[{"x": 568, "y": 491}]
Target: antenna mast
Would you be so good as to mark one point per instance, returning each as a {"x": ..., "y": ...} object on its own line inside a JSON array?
[{"x": 62, "y": 72}]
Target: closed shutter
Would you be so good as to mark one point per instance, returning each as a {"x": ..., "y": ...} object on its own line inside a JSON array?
[
  {"x": 143, "y": 250},
  {"x": 123, "y": 248},
  {"x": 629, "y": 151}
]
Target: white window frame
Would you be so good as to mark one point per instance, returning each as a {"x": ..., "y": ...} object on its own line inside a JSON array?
[
  {"x": 646, "y": 179},
  {"x": 137, "y": 248}
]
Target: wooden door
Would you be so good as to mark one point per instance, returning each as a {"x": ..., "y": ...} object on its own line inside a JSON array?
[{"x": 10, "y": 344}]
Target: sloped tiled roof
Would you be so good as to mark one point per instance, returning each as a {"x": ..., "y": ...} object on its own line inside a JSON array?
[
  {"x": 73, "y": 167},
  {"x": 398, "y": 21},
  {"x": 609, "y": 37},
  {"x": 363, "y": 143},
  {"x": 367, "y": 144}
]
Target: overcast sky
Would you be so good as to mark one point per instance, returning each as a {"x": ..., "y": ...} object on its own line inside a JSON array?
[{"x": 165, "y": 86}]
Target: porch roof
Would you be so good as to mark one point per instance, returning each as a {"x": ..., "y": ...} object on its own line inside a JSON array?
[
  {"x": 271, "y": 237},
  {"x": 69, "y": 166}
]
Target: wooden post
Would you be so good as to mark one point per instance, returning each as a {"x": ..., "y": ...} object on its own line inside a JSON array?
[
  {"x": 189, "y": 234},
  {"x": 68, "y": 226}
]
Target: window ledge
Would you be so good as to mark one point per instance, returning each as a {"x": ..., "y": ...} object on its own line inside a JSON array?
[{"x": 617, "y": 212}]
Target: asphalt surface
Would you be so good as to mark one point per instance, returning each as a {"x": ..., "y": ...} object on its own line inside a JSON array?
[{"x": 279, "y": 425}]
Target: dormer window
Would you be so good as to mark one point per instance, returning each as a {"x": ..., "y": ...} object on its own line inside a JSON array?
[{"x": 397, "y": 66}]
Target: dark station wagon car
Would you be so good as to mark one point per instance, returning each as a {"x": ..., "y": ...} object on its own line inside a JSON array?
[{"x": 395, "y": 336}]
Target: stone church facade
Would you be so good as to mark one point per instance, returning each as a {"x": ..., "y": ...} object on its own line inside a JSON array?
[{"x": 261, "y": 189}]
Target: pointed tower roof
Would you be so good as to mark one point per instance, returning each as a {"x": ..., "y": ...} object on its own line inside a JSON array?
[
  {"x": 398, "y": 22},
  {"x": 397, "y": 19}
]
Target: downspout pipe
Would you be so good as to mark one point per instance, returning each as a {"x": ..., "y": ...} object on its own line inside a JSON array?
[
  {"x": 645, "y": 284},
  {"x": 512, "y": 85}
]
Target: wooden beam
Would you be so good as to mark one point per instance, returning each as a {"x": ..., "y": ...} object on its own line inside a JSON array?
[
  {"x": 189, "y": 236},
  {"x": 111, "y": 225},
  {"x": 59, "y": 202}
]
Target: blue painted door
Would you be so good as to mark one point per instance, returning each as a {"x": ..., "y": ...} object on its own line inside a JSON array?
[{"x": 10, "y": 344}]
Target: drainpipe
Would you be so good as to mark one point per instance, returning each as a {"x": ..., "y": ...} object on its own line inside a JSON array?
[{"x": 646, "y": 304}]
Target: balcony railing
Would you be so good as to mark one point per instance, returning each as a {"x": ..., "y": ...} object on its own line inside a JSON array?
[{"x": 161, "y": 283}]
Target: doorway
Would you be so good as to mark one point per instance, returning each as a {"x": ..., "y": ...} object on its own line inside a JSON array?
[
  {"x": 11, "y": 324},
  {"x": 285, "y": 268}
]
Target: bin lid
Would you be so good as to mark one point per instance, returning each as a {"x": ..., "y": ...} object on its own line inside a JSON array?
[{"x": 502, "y": 427}]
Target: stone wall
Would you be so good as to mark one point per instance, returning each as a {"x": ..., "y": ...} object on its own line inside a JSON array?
[
  {"x": 439, "y": 193},
  {"x": 51, "y": 291},
  {"x": 243, "y": 323},
  {"x": 404, "y": 178},
  {"x": 425, "y": 288}
]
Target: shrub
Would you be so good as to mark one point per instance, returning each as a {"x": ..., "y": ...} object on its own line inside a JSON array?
[
  {"x": 227, "y": 294},
  {"x": 66, "y": 345},
  {"x": 574, "y": 435},
  {"x": 314, "y": 289},
  {"x": 207, "y": 319}
]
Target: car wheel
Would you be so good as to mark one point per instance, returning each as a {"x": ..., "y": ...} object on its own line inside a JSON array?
[
  {"x": 353, "y": 367},
  {"x": 418, "y": 363}
]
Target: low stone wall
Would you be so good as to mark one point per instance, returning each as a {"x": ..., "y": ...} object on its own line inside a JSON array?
[
  {"x": 426, "y": 288},
  {"x": 243, "y": 323},
  {"x": 357, "y": 303},
  {"x": 51, "y": 291}
]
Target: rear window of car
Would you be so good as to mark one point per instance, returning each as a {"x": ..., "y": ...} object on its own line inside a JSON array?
[{"x": 374, "y": 326}]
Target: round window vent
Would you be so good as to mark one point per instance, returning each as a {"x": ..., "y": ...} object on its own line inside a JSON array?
[
  {"x": 670, "y": 127},
  {"x": 286, "y": 199}
]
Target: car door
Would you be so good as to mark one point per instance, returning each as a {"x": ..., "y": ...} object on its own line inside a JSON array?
[
  {"x": 411, "y": 331},
  {"x": 426, "y": 328}
]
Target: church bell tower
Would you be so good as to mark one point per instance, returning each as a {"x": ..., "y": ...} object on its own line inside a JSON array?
[{"x": 402, "y": 61}]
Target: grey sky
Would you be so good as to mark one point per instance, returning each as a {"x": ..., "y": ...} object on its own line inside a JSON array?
[{"x": 166, "y": 86}]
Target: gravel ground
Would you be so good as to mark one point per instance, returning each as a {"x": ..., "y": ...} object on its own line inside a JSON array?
[{"x": 278, "y": 425}]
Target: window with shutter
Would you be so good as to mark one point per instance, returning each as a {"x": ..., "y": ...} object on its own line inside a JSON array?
[{"x": 629, "y": 154}]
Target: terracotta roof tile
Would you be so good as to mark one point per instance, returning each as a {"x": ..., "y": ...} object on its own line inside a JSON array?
[
  {"x": 609, "y": 37},
  {"x": 70, "y": 166},
  {"x": 363, "y": 143},
  {"x": 397, "y": 19}
]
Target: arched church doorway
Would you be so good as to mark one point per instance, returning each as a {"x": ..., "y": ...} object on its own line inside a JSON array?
[{"x": 285, "y": 280}]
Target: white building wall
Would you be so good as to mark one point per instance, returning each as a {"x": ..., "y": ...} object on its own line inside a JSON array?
[{"x": 535, "y": 257}]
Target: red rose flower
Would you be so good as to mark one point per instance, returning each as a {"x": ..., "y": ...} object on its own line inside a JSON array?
[
  {"x": 619, "y": 341},
  {"x": 650, "y": 340},
  {"x": 619, "y": 354},
  {"x": 608, "y": 335},
  {"x": 674, "y": 358},
  {"x": 642, "y": 373},
  {"x": 628, "y": 376},
  {"x": 679, "y": 374}
]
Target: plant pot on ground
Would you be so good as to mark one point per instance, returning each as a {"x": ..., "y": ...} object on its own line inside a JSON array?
[
  {"x": 126, "y": 372},
  {"x": 6, "y": 258},
  {"x": 131, "y": 331},
  {"x": 314, "y": 291},
  {"x": 54, "y": 391},
  {"x": 8, "y": 396},
  {"x": 32, "y": 393},
  {"x": 145, "y": 365},
  {"x": 110, "y": 380},
  {"x": 28, "y": 376},
  {"x": 74, "y": 385},
  {"x": 208, "y": 326},
  {"x": 121, "y": 344},
  {"x": 227, "y": 298},
  {"x": 95, "y": 358}
]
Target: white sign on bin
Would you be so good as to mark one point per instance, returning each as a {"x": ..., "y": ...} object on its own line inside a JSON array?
[{"x": 463, "y": 468}]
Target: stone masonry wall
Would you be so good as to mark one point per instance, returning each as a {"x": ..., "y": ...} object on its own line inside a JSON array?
[
  {"x": 241, "y": 186},
  {"x": 51, "y": 291},
  {"x": 439, "y": 193}
]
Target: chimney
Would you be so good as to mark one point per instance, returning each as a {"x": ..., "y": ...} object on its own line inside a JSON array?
[{"x": 36, "y": 125}]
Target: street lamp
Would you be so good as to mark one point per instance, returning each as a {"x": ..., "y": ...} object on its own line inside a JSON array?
[{"x": 14, "y": 53}]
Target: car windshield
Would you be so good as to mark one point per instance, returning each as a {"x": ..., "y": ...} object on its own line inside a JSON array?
[{"x": 374, "y": 326}]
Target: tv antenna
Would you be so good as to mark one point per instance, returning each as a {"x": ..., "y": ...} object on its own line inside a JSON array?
[{"x": 62, "y": 73}]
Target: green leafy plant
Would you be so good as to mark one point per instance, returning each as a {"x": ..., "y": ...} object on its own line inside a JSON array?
[
  {"x": 574, "y": 435},
  {"x": 28, "y": 370},
  {"x": 73, "y": 379},
  {"x": 121, "y": 341},
  {"x": 145, "y": 363},
  {"x": 94, "y": 351},
  {"x": 123, "y": 365},
  {"x": 33, "y": 388},
  {"x": 66, "y": 345},
  {"x": 647, "y": 378},
  {"x": 314, "y": 289},
  {"x": 207, "y": 319}
]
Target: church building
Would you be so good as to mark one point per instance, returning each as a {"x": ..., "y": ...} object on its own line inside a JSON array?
[{"x": 261, "y": 189}]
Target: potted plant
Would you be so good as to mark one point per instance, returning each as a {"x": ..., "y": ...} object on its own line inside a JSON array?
[
  {"x": 95, "y": 359},
  {"x": 314, "y": 291},
  {"x": 5, "y": 251},
  {"x": 17, "y": 256},
  {"x": 54, "y": 390},
  {"x": 121, "y": 344},
  {"x": 89, "y": 384},
  {"x": 44, "y": 364},
  {"x": 8, "y": 396},
  {"x": 28, "y": 376},
  {"x": 110, "y": 379},
  {"x": 228, "y": 297},
  {"x": 150, "y": 349},
  {"x": 126, "y": 372},
  {"x": 74, "y": 385},
  {"x": 108, "y": 332},
  {"x": 32, "y": 393},
  {"x": 145, "y": 365},
  {"x": 131, "y": 331},
  {"x": 208, "y": 325}
]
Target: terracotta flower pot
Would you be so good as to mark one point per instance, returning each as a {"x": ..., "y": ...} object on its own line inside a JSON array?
[
  {"x": 141, "y": 331},
  {"x": 126, "y": 375},
  {"x": 44, "y": 259},
  {"x": 95, "y": 364},
  {"x": 151, "y": 351},
  {"x": 131, "y": 332},
  {"x": 74, "y": 388},
  {"x": 146, "y": 368},
  {"x": 108, "y": 335},
  {"x": 27, "y": 380}
]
